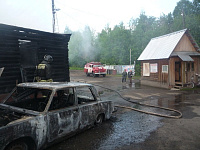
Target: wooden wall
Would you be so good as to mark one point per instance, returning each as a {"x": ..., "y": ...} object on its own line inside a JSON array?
[
  {"x": 184, "y": 45},
  {"x": 158, "y": 76},
  {"x": 25, "y": 48}
]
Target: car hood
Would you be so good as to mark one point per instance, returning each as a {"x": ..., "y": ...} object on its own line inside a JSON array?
[
  {"x": 10, "y": 115},
  {"x": 17, "y": 109}
]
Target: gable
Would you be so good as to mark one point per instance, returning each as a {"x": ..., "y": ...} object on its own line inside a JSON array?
[{"x": 184, "y": 45}]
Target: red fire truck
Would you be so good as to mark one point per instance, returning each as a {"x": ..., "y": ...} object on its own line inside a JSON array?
[{"x": 95, "y": 69}]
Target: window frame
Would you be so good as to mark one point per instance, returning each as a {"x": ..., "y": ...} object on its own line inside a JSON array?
[{"x": 165, "y": 71}]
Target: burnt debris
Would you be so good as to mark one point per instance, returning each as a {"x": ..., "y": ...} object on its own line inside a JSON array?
[{"x": 22, "y": 49}]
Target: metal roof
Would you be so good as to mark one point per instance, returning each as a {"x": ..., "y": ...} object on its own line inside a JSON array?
[
  {"x": 161, "y": 47},
  {"x": 185, "y": 57},
  {"x": 185, "y": 53},
  {"x": 52, "y": 85}
]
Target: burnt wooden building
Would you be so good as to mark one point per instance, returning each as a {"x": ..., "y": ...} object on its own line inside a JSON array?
[
  {"x": 170, "y": 60},
  {"x": 22, "y": 49}
]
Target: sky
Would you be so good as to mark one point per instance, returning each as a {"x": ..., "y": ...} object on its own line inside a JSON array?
[{"x": 76, "y": 14}]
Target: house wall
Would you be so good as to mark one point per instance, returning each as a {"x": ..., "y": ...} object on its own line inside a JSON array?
[
  {"x": 158, "y": 78},
  {"x": 184, "y": 45},
  {"x": 25, "y": 48}
]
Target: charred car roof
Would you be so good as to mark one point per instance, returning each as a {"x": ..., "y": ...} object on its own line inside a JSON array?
[{"x": 52, "y": 85}]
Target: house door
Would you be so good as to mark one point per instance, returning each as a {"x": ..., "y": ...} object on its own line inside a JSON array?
[
  {"x": 28, "y": 53},
  {"x": 29, "y": 59},
  {"x": 177, "y": 71}
]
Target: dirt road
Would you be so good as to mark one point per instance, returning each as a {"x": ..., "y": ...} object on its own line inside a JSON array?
[{"x": 128, "y": 130}]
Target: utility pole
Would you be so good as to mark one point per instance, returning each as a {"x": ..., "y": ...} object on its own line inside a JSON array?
[
  {"x": 53, "y": 13},
  {"x": 54, "y": 10},
  {"x": 183, "y": 17}
]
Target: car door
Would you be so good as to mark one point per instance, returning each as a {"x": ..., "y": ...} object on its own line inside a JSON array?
[
  {"x": 63, "y": 115},
  {"x": 88, "y": 106}
]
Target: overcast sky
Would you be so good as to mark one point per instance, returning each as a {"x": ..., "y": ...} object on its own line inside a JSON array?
[{"x": 37, "y": 14}]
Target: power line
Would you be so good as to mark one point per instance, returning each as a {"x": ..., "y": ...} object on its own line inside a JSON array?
[{"x": 86, "y": 12}]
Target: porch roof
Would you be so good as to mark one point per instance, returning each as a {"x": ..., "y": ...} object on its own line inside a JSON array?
[
  {"x": 185, "y": 56},
  {"x": 185, "y": 53}
]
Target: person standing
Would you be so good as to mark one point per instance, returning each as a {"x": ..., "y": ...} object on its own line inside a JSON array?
[
  {"x": 130, "y": 74},
  {"x": 124, "y": 76}
]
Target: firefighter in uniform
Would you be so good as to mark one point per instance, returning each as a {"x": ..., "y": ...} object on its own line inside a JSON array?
[{"x": 43, "y": 70}]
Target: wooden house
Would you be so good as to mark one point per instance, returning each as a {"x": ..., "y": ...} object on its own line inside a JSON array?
[
  {"x": 170, "y": 60},
  {"x": 22, "y": 49}
]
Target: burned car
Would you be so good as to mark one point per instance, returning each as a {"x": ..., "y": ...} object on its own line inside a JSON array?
[{"x": 36, "y": 115}]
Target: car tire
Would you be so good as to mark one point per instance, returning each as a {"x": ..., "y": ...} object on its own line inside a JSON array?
[
  {"x": 104, "y": 75},
  {"x": 18, "y": 145},
  {"x": 99, "y": 119}
]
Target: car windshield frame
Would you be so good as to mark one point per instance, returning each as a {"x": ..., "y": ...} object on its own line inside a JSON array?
[{"x": 11, "y": 105}]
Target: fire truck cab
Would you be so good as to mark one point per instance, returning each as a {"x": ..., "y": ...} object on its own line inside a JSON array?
[{"x": 95, "y": 69}]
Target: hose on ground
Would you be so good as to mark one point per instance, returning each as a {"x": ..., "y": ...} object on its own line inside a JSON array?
[{"x": 148, "y": 105}]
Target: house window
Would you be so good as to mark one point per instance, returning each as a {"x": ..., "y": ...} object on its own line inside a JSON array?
[
  {"x": 164, "y": 68},
  {"x": 146, "y": 71},
  {"x": 154, "y": 68}
]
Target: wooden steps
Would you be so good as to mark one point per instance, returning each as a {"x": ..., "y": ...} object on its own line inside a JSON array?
[{"x": 178, "y": 85}]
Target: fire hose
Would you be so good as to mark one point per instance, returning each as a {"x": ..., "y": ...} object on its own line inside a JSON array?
[{"x": 147, "y": 105}]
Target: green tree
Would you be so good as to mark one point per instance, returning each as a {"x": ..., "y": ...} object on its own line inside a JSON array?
[
  {"x": 186, "y": 15},
  {"x": 114, "y": 45}
]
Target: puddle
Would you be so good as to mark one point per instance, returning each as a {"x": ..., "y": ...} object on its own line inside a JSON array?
[
  {"x": 135, "y": 85},
  {"x": 130, "y": 127},
  {"x": 133, "y": 127}
]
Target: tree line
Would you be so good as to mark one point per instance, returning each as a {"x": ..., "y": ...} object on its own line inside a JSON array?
[{"x": 112, "y": 45}]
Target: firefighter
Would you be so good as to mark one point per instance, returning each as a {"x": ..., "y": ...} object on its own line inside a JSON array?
[{"x": 43, "y": 70}]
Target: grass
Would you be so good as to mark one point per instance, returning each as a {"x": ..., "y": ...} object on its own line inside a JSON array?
[
  {"x": 189, "y": 89},
  {"x": 75, "y": 68}
]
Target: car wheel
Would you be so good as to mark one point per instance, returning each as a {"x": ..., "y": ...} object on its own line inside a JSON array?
[
  {"x": 18, "y": 146},
  {"x": 99, "y": 119},
  {"x": 104, "y": 75}
]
